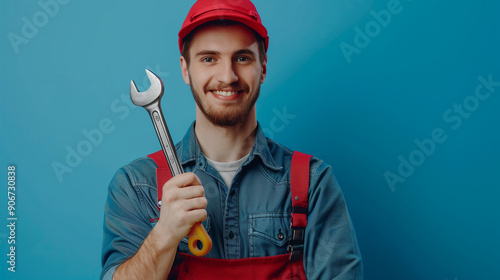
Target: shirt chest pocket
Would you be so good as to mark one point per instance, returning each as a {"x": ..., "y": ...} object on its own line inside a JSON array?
[{"x": 268, "y": 234}]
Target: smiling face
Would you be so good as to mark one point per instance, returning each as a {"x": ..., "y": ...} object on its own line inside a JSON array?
[{"x": 224, "y": 73}]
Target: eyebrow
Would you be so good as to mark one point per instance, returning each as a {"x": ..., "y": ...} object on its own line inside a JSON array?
[
  {"x": 238, "y": 52},
  {"x": 206, "y": 52},
  {"x": 244, "y": 51}
]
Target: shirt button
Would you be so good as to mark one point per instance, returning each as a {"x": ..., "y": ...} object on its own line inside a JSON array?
[
  {"x": 231, "y": 235},
  {"x": 281, "y": 236}
]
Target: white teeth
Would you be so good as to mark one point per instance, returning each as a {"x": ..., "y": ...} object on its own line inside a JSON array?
[{"x": 225, "y": 93}]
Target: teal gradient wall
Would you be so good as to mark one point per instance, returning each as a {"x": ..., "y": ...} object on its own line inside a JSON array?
[{"x": 398, "y": 96}]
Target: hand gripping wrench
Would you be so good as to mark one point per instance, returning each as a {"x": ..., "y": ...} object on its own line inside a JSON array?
[{"x": 150, "y": 100}]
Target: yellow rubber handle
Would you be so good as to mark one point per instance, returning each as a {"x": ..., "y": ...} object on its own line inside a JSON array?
[{"x": 199, "y": 234}]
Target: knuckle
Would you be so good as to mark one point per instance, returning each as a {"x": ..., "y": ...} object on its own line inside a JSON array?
[
  {"x": 193, "y": 177},
  {"x": 166, "y": 186},
  {"x": 204, "y": 214},
  {"x": 170, "y": 195},
  {"x": 200, "y": 215},
  {"x": 198, "y": 203},
  {"x": 203, "y": 202},
  {"x": 167, "y": 198},
  {"x": 188, "y": 175},
  {"x": 200, "y": 191},
  {"x": 170, "y": 185}
]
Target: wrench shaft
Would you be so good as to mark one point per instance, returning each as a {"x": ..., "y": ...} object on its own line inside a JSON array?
[
  {"x": 165, "y": 140},
  {"x": 197, "y": 232}
]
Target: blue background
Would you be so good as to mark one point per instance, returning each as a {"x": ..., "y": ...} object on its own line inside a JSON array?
[{"x": 362, "y": 113}]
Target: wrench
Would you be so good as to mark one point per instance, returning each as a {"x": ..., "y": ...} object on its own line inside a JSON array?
[{"x": 150, "y": 100}]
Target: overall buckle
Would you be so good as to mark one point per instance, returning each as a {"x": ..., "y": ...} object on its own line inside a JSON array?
[{"x": 296, "y": 244}]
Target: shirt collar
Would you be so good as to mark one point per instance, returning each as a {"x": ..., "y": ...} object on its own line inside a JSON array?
[{"x": 189, "y": 149}]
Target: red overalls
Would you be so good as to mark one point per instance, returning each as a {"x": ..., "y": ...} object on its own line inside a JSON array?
[{"x": 286, "y": 266}]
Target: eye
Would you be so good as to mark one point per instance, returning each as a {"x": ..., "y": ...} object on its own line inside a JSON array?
[
  {"x": 208, "y": 59},
  {"x": 243, "y": 59}
]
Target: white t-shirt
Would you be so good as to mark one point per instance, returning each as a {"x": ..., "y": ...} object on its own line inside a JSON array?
[{"x": 227, "y": 170}]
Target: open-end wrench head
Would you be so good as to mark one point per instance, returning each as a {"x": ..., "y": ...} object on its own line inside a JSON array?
[{"x": 154, "y": 92}]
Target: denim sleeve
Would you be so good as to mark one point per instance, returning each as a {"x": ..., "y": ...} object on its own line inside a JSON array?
[
  {"x": 125, "y": 225},
  {"x": 330, "y": 248}
]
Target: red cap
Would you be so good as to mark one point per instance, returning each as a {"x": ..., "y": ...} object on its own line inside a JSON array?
[{"x": 204, "y": 11}]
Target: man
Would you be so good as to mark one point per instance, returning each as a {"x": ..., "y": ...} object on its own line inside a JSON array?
[{"x": 237, "y": 181}]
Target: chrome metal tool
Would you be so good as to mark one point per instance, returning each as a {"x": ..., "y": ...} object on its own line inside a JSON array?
[{"x": 150, "y": 100}]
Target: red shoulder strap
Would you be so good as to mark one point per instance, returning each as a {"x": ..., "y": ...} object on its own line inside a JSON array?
[
  {"x": 299, "y": 184},
  {"x": 159, "y": 158},
  {"x": 163, "y": 173}
]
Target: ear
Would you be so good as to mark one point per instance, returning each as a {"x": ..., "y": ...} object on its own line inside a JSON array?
[
  {"x": 184, "y": 70},
  {"x": 264, "y": 71}
]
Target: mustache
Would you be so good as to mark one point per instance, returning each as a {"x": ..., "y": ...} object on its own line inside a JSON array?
[{"x": 225, "y": 87}]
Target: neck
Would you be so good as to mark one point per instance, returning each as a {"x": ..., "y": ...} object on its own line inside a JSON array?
[{"x": 225, "y": 144}]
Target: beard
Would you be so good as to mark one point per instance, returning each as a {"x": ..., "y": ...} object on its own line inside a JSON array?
[{"x": 227, "y": 115}]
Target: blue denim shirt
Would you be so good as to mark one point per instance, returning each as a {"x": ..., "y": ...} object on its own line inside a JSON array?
[{"x": 249, "y": 219}]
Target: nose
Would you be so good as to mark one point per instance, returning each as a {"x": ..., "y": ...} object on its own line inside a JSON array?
[{"x": 227, "y": 73}]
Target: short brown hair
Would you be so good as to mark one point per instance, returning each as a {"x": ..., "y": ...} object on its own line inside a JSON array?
[{"x": 186, "y": 44}]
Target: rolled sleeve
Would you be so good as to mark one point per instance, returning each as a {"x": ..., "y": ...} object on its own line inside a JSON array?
[
  {"x": 125, "y": 224},
  {"x": 108, "y": 275}
]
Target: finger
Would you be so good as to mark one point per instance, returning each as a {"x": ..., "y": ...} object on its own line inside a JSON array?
[
  {"x": 185, "y": 217},
  {"x": 192, "y": 191},
  {"x": 198, "y": 215},
  {"x": 195, "y": 203},
  {"x": 183, "y": 180},
  {"x": 175, "y": 194},
  {"x": 182, "y": 206}
]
